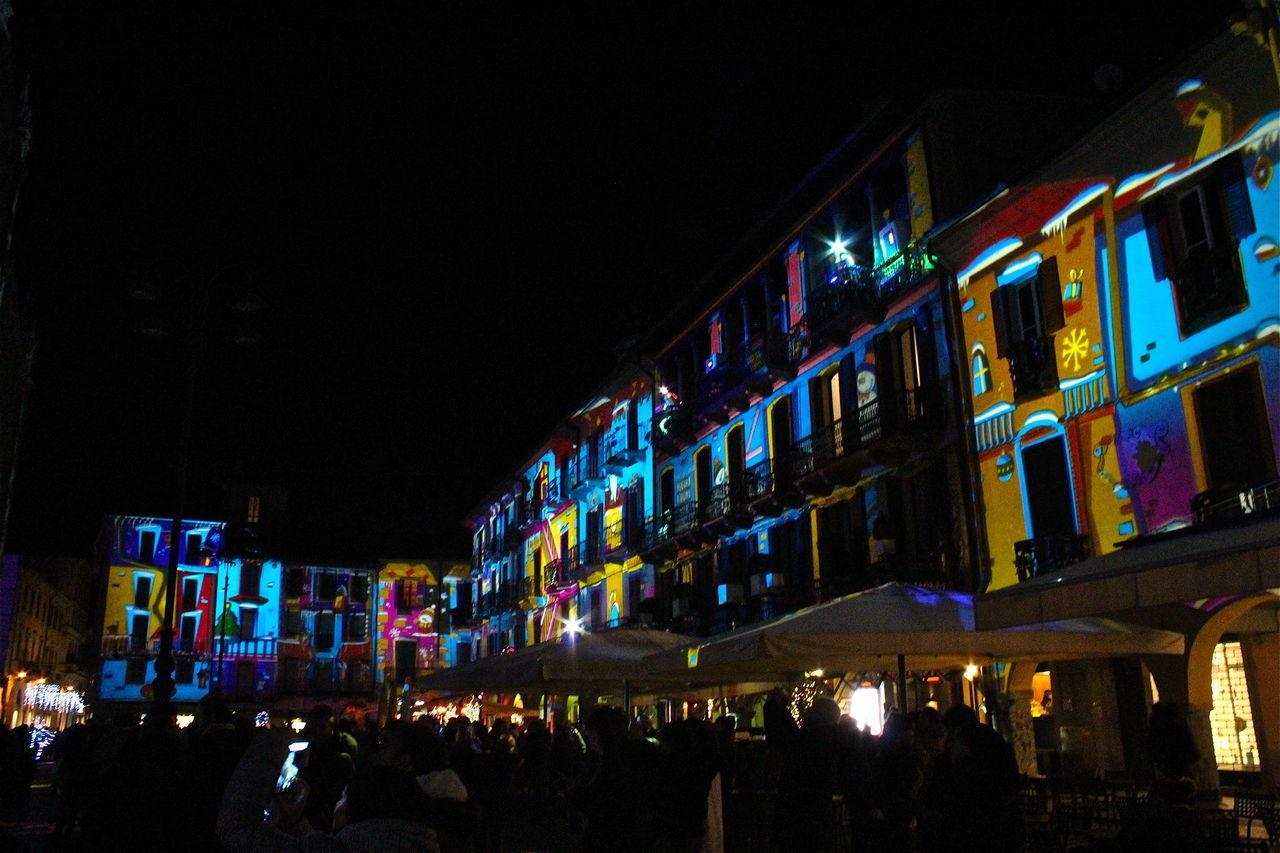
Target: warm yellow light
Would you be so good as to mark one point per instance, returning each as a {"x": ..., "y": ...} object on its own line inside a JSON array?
[
  {"x": 22, "y": 674},
  {"x": 971, "y": 672},
  {"x": 816, "y": 673}
]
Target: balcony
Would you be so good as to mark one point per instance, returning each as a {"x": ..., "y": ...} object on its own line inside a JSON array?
[
  {"x": 770, "y": 487},
  {"x": 499, "y": 546},
  {"x": 230, "y": 648},
  {"x": 491, "y": 604},
  {"x": 546, "y": 496},
  {"x": 1048, "y": 555},
  {"x": 586, "y": 473},
  {"x": 621, "y": 540},
  {"x": 1228, "y": 503},
  {"x": 856, "y": 295},
  {"x": 673, "y": 428},
  {"x": 726, "y": 511},
  {"x": 886, "y": 431},
  {"x": 687, "y": 528},
  {"x": 1034, "y": 367},
  {"x": 721, "y": 389},
  {"x": 621, "y": 452},
  {"x": 658, "y": 544},
  {"x": 530, "y": 592}
]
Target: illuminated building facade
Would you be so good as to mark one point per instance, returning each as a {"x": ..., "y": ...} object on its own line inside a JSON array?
[
  {"x": 1120, "y": 316},
  {"x": 135, "y": 552},
  {"x": 793, "y": 439},
  {"x": 326, "y": 635},
  {"x": 45, "y": 631},
  {"x": 263, "y": 631},
  {"x": 413, "y": 611}
]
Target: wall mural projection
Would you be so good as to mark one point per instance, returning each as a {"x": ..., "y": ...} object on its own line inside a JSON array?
[
  {"x": 137, "y": 551},
  {"x": 1127, "y": 291}
]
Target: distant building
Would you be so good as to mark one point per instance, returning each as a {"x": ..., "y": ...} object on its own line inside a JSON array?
[
  {"x": 267, "y": 633},
  {"x": 45, "y": 639},
  {"x": 413, "y": 611}
]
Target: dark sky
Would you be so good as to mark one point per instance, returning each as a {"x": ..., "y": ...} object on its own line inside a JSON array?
[{"x": 453, "y": 212}]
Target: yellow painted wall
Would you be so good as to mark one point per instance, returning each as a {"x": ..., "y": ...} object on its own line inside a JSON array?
[{"x": 1098, "y": 504}]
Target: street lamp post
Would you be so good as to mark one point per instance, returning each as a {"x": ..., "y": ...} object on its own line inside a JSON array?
[{"x": 197, "y": 330}]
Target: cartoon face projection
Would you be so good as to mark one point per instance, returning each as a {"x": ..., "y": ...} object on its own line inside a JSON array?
[
  {"x": 1004, "y": 467},
  {"x": 866, "y": 387},
  {"x": 425, "y": 621},
  {"x": 718, "y": 473}
]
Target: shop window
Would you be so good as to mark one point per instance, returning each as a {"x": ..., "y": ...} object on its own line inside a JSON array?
[
  {"x": 1193, "y": 232},
  {"x": 1235, "y": 743}
]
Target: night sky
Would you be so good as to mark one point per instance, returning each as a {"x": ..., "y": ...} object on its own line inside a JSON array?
[{"x": 451, "y": 212}]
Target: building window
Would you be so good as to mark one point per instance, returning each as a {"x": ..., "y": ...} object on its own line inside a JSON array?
[
  {"x": 326, "y": 586},
  {"x": 142, "y": 592},
  {"x": 1235, "y": 743},
  {"x": 293, "y": 621},
  {"x": 295, "y": 582},
  {"x": 981, "y": 371},
  {"x": 146, "y": 546},
  {"x": 184, "y": 671},
  {"x": 1193, "y": 232},
  {"x": 248, "y": 622},
  {"x": 135, "y": 671},
  {"x": 324, "y": 632},
  {"x": 1026, "y": 313},
  {"x": 254, "y": 513},
  {"x": 194, "y": 542},
  {"x": 190, "y": 593}
]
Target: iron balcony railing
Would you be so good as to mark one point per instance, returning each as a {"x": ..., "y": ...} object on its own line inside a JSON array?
[
  {"x": 586, "y": 469},
  {"x": 232, "y": 647},
  {"x": 887, "y": 415},
  {"x": 1234, "y": 501},
  {"x": 1034, "y": 367},
  {"x": 863, "y": 293},
  {"x": 725, "y": 499},
  {"x": 1048, "y": 555},
  {"x": 548, "y": 495},
  {"x": 619, "y": 449},
  {"x": 727, "y": 375}
]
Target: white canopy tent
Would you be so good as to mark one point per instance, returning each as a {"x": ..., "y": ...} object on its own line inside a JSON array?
[{"x": 871, "y": 630}]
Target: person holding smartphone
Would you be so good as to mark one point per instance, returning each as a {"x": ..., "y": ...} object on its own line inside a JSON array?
[{"x": 381, "y": 808}]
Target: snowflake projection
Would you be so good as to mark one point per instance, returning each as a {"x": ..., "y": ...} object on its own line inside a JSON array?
[{"x": 1075, "y": 348}]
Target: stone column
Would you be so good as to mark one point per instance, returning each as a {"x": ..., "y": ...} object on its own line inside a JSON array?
[
  {"x": 1023, "y": 731},
  {"x": 1262, "y": 672}
]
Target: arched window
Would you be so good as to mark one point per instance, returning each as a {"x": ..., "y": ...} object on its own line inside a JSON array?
[{"x": 981, "y": 371}]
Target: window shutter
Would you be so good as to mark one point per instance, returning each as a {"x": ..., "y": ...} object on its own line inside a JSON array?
[
  {"x": 1229, "y": 172},
  {"x": 999, "y": 319},
  {"x": 849, "y": 392},
  {"x": 1050, "y": 296},
  {"x": 1155, "y": 221},
  {"x": 888, "y": 370}
]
